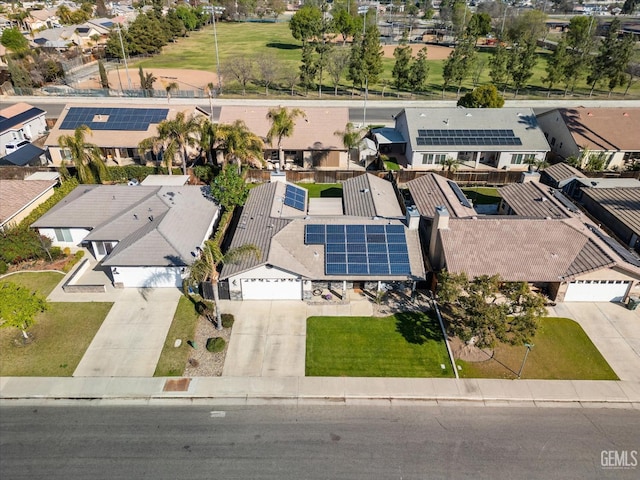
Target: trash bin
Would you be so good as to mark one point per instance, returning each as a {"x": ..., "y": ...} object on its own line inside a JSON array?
[{"x": 633, "y": 303}]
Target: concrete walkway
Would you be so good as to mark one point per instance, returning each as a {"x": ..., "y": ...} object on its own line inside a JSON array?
[{"x": 130, "y": 340}]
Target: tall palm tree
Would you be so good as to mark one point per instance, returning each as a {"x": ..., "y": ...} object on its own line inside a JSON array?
[
  {"x": 350, "y": 137},
  {"x": 208, "y": 136},
  {"x": 239, "y": 144},
  {"x": 86, "y": 157},
  {"x": 174, "y": 136},
  {"x": 205, "y": 268},
  {"x": 282, "y": 124}
]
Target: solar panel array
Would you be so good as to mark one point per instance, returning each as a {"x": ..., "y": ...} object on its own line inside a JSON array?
[
  {"x": 361, "y": 249},
  {"x": 295, "y": 197},
  {"x": 459, "y": 193},
  {"x": 99, "y": 118},
  {"x": 467, "y": 137},
  {"x": 627, "y": 255}
]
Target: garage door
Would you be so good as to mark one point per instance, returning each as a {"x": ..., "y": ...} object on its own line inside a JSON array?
[
  {"x": 271, "y": 289},
  {"x": 596, "y": 291}
]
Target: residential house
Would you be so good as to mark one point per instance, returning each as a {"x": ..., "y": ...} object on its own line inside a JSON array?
[
  {"x": 117, "y": 131},
  {"x": 606, "y": 136},
  {"x": 487, "y": 138},
  {"x": 42, "y": 19},
  {"x": 21, "y": 121},
  {"x": 308, "y": 246},
  {"x": 313, "y": 144},
  {"x": 147, "y": 236},
  {"x": 59, "y": 39},
  {"x": 21, "y": 197},
  {"x": 560, "y": 175},
  {"x": 535, "y": 200},
  {"x": 28, "y": 155}
]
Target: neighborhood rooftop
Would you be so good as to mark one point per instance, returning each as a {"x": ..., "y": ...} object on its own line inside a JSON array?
[
  {"x": 432, "y": 190},
  {"x": 604, "y": 128},
  {"x": 369, "y": 196},
  {"x": 532, "y": 200},
  {"x": 562, "y": 171},
  {"x": 621, "y": 203},
  {"x": 16, "y": 194}
]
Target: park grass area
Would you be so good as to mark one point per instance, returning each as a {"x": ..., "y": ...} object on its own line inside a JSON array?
[
  {"x": 41, "y": 282},
  {"x": 323, "y": 190},
  {"x": 173, "y": 359},
  {"x": 59, "y": 339},
  {"x": 482, "y": 195},
  {"x": 561, "y": 351},
  {"x": 408, "y": 344}
]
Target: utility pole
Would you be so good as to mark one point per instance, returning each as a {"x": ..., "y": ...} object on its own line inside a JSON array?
[{"x": 215, "y": 39}]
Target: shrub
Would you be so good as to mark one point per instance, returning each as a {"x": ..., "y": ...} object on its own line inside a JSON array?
[
  {"x": 79, "y": 254},
  {"x": 19, "y": 244},
  {"x": 58, "y": 194},
  {"x": 56, "y": 253},
  {"x": 204, "y": 173},
  {"x": 3, "y": 267},
  {"x": 70, "y": 264},
  {"x": 66, "y": 251},
  {"x": 216, "y": 344},
  {"x": 227, "y": 320}
]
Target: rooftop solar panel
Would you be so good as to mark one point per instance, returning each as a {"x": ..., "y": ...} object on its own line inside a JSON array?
[
  {"x": 295, "y": 197},
  {"x": 459, "y": 193},
  {"x": 113, "y": 118}
]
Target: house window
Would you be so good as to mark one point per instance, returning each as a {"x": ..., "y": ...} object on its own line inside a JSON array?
[
  {"x": 63, "y": 235},
  {"x": 65, "y": 153},
  {"x": 520, "y": 158},
  {"x": 433, "y": 158}
]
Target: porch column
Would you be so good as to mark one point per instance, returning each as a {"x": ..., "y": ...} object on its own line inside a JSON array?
[
  {"x": 476, "y": 158},
  {"x": 344, "y": 289}
]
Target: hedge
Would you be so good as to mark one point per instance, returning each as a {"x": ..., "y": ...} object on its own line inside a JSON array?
[
  {"x": 122, "y": 174},
  {"x": 59, "y": 193}
]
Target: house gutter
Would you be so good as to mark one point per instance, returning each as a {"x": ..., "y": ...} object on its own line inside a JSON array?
[{"x": 446, "y": 338}]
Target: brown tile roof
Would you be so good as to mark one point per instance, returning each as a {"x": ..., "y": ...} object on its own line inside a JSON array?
[
  {"x": 520, "y": 249},
  {"x": 604, "y": 128},
  {"x": 532, "y": 200},
  {"x": 15, "y": 109},
  {"x": 562, "y": 171},
  {"x": 15, "y": 195},
  {"x": 369, "y": 196},
  {"x": 432, "y": 190},
  {"x": 316, "y": 132},
  {"x": 622, "y": 203}
]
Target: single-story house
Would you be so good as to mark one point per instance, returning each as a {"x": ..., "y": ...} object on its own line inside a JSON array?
[
  {"x": 59, "y": 39},
  {"x": 560, "y": 175},
  {"x": 38, "y": 19},
  {"x": 21, "y": 121},
  {"x": 535, "y": 200},
  {"x": 313, "y": 144},
  {"x": 576, "y": 188},
  {"x": 493, "y": 138},
  {"x": 146, "y": 235},
  {"x": 27, "y": 155},
  {"x": 21, "y": 197},
  {"x": 609, "y": 134},
  {"x": 117, "y": 131},
  {"x": 303, "y": 253}
]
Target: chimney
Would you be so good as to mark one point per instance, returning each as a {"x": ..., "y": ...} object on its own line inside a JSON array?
[
  {"x": 278, "y": 176},
  {"x": 412, "y": 218},
  {"x": 526, "y": 177},
  {"x": 440, "y": 222}
]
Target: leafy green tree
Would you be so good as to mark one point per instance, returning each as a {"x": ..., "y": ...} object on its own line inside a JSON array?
[
  {"x": 306, "y": 24},
  {"x": 479, "y": 25},
  {"x": 475, "y": 312},
  {"x": 104, "y": 80},
  {"x": 402, "y": 66},
  {"x": 527, "y": 27},
  {"x": 355, "y": 72},
  {"x": 419, "y": 71},
  {"x": 337, "y": 63},
  {"x": 557, "y": 65},
  {"x": 283, "y": 122},
  {"x": 229, "y": 188},
  {"x": 239, "y": 144},
  {"x": 19, "y": 306},
  {"x": 499, "y": 67},
  {"x": 460, "y": 63},
  {"x": 20, "y": 77},
  {"x": 522, "y": 60},
  {"x": 175, "y": 24},
  {"x": 484, "y": 96},
  {"x": 344, "y": 23},
  {"x": 308, "y": 67},
  {"x": 580, "y": 42},
  {"x": 188, "y": 16},
  {"x": 613, "y": 58},
  {"x": 372, "y": 54},
  {"x": 86, "y": 156},
  {"x": 13, "y": 40}
]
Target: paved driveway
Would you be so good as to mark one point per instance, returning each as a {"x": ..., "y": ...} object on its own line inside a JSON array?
[
  {"x": 130, "y": 340},
  {"x": 613, "y": 329}
]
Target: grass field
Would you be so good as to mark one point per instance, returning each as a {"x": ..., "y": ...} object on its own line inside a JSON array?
[
  {"x": 402, "y": 345},
  {"x": 561, "y": 351},
  {"x": 42, "y": 282},
  {"x": 391, "y": 164},
  {"x": 259, "y": 39},
  {"x": 325, "y": 190},
  {"x": 482, "y": 195},
  {"x": 173, "y": 360}
]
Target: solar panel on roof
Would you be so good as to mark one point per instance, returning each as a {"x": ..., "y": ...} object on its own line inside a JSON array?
[
  {"x": 107, "y": 118},
  {"x": 459, "y": 193},
  {"x": 295, "y": 197},
  {"x": 625, "y": 254}
]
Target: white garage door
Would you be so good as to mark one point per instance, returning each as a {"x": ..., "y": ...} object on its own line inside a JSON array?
[
  {"x": 596, "y": 291},
  {"x": 271, "y": 289}
]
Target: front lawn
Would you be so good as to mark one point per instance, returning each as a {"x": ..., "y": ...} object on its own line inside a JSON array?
[
  {"x": 41, "y": 282},
  {"x": 561, "y": 351},
  {"x": 324, "y": 190},
  {"x": 406, "y": 344},
  {"x": 174, "y": 359},
  {"x": 482, "y": 195}
]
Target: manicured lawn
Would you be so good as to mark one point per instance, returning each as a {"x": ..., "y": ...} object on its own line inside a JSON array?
[
  {"x": 561, "y": 351},
  {"x": 61, "y": 335},
  {"x": 482, "y": 195},
  {"x": 318, "y": 190},
  {"x": 403, "y": 345},
  {"x": 173, "y": 360},
  {"x": 42, "y": 282},
  {"x": 391, "y": 164}
]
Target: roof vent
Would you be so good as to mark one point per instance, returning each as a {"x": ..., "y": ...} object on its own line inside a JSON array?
[
  {"x": 365, "y": 190},
  {"x": 589, "y": 114},
  {"x": 625, "y": 114},
  {"x": 594, "y": 183},
  {"x": 151, "y": 218}
]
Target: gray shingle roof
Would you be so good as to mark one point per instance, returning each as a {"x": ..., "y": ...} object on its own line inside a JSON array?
[
  {"x": 369, "y": 196},
  {"x": 532, "y": 200},
  {"x": 622, "y": 203},
  {"x": 560, "y": 173},
  {"x": 432, "y": 190}
]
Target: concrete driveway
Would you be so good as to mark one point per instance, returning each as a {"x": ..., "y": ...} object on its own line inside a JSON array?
[
  {"x": 130, "y": 340},
  {"x": 613, "y": 329}
]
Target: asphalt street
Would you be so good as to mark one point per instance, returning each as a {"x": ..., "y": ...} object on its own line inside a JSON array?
[{"x": 317, "y": 442}]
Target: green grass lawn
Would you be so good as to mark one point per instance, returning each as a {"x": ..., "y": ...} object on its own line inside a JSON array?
[
  {"x": 561, "y": 351},
  {"x": 391, "y": 164},
  {"x": 482, "y": 195},
  {"x": 325, "y": 190},
  {"x": 173, "y": 360},
  {"x": 42, "y": 282},
  {"x": 403, "y": 345}
]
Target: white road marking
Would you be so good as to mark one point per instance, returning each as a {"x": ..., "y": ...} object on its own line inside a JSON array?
[{"x": 218, "y": 414}]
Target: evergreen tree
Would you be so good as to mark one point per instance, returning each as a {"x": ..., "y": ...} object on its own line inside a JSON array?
[
  {"x": 522, "y": 60},
  {"x": 308, "y": 67},
  {"x": 402, "y": 66},
  {"x": 498, "y": 67},
  {"x": 419, "y": 71},
  {"x": 104, "y": 80},
  {"x": 459, "y": 64},
  {"x": 557, "y": 65}
]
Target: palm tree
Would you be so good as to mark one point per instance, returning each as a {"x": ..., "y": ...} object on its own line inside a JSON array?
[
  {"x": 171, "y": 87},
  {"x": 240, "y": 144},
  {"x": 174, "y": 136},
  {"x": 450, "y": 164},
  {"x": 282, "y": 124},
  {"x": 146, "y": 82},
  {"x": 206, "y": 267},
  {"x": 211, "y": 90},
  {"x": 208, "y": 136},
  {"x": 350, "y": 139},
  {"x": 86, "y": 157}
]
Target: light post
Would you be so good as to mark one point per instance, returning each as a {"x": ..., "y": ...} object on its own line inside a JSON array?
[
  {"x": 215, "y": 39},
  {"x": 529, "y": 347},
  {"x": 504, "y": 16},
  {"x": 124, "y": 56}
]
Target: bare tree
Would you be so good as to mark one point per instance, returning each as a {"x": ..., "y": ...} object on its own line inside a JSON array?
[
  {"x": 241, "y": 69},
  {"x": 268, "y": 70},
  {"x": 291, "y": 77},
  {"x": 336, "y": 65}
]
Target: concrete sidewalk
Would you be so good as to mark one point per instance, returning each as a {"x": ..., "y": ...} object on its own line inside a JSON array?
[{"x": 322, "y": 391}]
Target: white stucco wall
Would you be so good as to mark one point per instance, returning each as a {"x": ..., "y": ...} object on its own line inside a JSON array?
[
  {"x": 77, "y": 235},
  {"x": 261, "y": 272},
  {"x": 148, "y": 277}
]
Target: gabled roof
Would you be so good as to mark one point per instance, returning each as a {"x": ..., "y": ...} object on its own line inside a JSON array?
[
  {"x": 623, "y": 204},
  {"x": 532, "y": 200},
  {"x": 369, "y": 196},
  {"x": 604, "y": 128},
  {"x": 23, "y": 156},
  {"x": 432, "y": 190},
  {"x": 18, "y": 114},
  {"x": 561, "y": 172},
  {"x": 15, "y": 195}
]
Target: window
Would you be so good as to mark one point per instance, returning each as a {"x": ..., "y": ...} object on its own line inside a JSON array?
[
  {"x": 63, "y": 235},
  {"x": 65, "y": 153},
  {"x": 520, "y": 158},
  {"x": 433, "y": 158}
]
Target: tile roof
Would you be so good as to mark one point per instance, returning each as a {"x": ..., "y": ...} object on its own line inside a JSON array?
[
  {"x": 15, "y": 195},
  {"x": 432, "y": 190},
  {"x": 621, "y": 203},
  {"x": 562, "y": 171},
  {"x": 16, "y": 115},
  {"x": 532, "y": 200},
  {"x": 370, "y": 196},
  {"x": 604, "y": 128}
]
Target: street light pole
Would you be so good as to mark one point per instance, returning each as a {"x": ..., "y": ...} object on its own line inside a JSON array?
[
  {"x": 215, "y": 38},
  {"x": 124, "y": 56},
  {"x": 529, "y": 347}
]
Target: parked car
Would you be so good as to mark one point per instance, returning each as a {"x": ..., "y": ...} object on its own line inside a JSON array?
[{"x": 14, "y": 145}]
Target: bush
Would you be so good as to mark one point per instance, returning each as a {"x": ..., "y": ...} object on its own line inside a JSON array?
[
  {"x": 204, "y": 173},
  {"x": 58, "y": 194},
  {"x": 227, "y": 320},
  {"x": 66, "y": 251},
  {"x": 19, "y": 244},
  {"x": 216, "y": 344},
  {"x": 56, "y": 253},
  {"x": 79, "y": 254},
  {"x": 3, "y": 267},
  {"x": 70, "y": 264}
]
